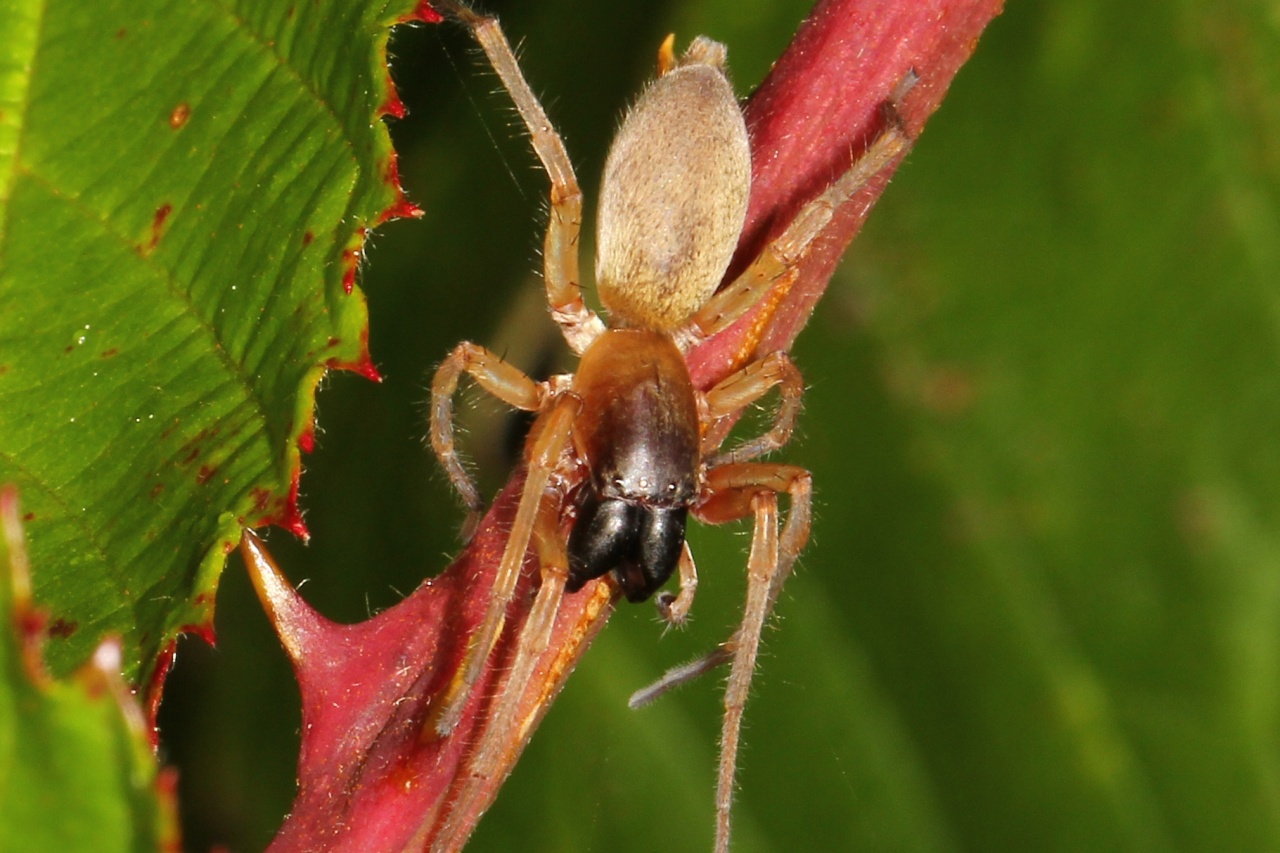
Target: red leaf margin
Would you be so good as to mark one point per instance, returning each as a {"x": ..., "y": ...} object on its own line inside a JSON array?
[{"x": 368, "y": 778}]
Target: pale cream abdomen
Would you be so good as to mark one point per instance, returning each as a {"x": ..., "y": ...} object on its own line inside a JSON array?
[{"x": 674, "y": 195}]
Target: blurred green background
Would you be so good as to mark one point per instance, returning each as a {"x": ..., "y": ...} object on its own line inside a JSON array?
[{"x": 1041, "y": 605}]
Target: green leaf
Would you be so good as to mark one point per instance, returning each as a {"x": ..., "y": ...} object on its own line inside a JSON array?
[
  {"x": 184, "y": 191},
  {"x": 76, "y": 770}
]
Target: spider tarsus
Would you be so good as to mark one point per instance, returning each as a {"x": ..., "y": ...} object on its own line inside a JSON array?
[
  {"x": 891, "y": 109},
  {"x": 905, "y": 85},
  {"x": 680, "y": 675},
  {"x": 472, "y": 522},
  {"x": 671, "y": 615}
]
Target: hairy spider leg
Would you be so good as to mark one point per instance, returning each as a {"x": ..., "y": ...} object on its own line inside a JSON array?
[
  {"x": 768, "y": 565},
  {"x": 743, "y": 388},
  {"x": 542, "y": 456},
  {"x": 734, "y": 491},
  {"x": 505, "y": 731},
  {"x": 509, "y": 384},
  {"x": 785, "y": 251},
  {"x": 762, "y": 564},
  {"x": 579, "y": 324}
]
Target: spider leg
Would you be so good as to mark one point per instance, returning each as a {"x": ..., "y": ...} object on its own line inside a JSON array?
[
  {"x": 543, "y": 455},
  {"x": 729, "y": 491},
  {"x": 506, "y": 730},
  {"x": 785, "y": 251},
  {"x": 674, "y": 609},
  {"x": 733, "y": 491},
  {"x": 762, "y": 565},
  {"x": 579, "y": 324},
  {"x": 494, "y": 375},
  {"x": 745, "y": 387},
  {"x": 771, "y": 559}
]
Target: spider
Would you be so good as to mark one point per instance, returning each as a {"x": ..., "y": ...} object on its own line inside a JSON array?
[{"x": 627, "y": 448}]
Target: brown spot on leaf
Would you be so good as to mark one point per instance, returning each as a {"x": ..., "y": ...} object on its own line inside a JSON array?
[
  {"x": 62, "y": 629},
  {"x": 179, "y": 116},
  {"x": 157, "y": 229},
  {"x": 108, "y": 353},
  {"x": 261, "y": 498}
]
